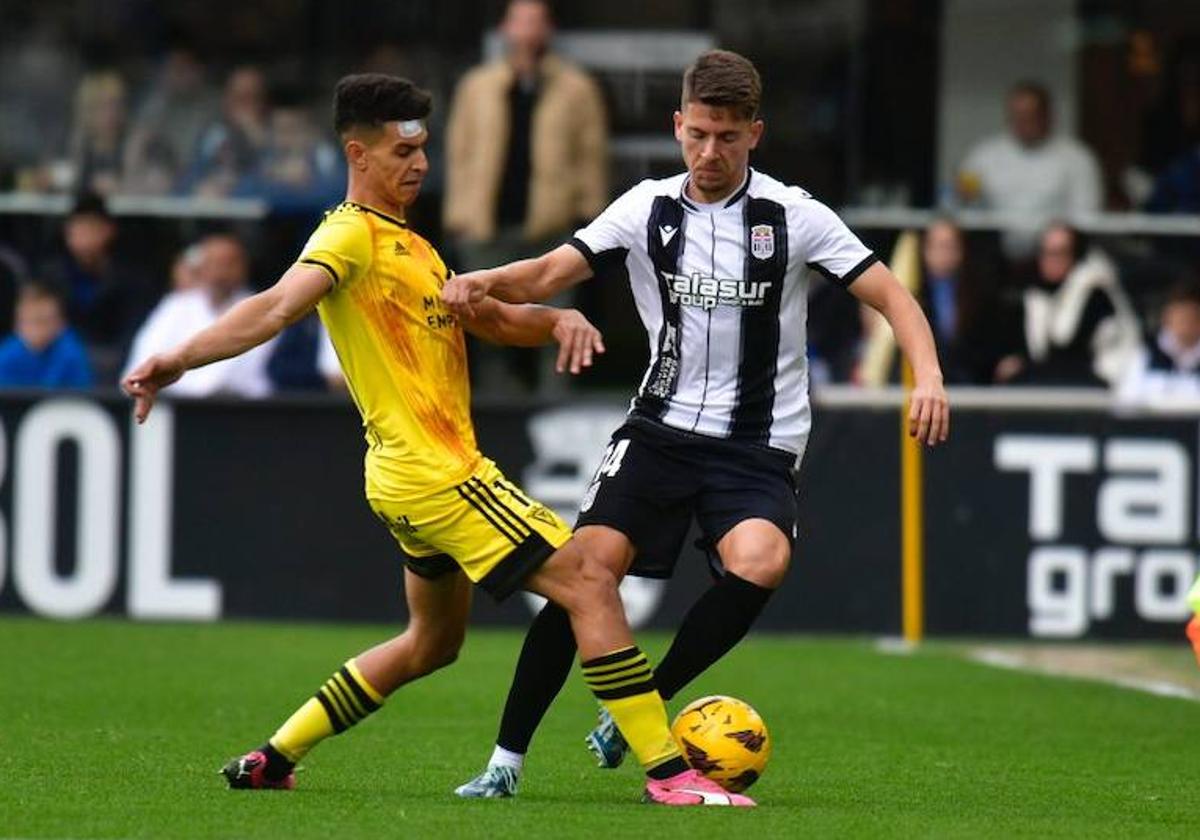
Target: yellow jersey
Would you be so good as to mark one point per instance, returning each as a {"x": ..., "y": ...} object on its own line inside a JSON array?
[{"x": 401, "y": 350}]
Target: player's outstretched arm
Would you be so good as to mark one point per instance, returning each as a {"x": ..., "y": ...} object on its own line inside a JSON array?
[
  {"x": 255, "y": 320},
  {"x": 523, "y": 281},
  {"x": 929, "y": 408},
  {"x": 530, "y": 325}
]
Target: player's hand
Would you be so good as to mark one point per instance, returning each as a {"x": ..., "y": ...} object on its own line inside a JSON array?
[
  {"x": 463, "y": 291},
  {"x": 929, "y": 413},
  {"x": 578, "y": 341},
  {"x": 145, "y": 381}
]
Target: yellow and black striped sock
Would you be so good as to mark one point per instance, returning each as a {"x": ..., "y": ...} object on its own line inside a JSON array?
[
  {"x": 624, "y": 683},
  {"x": 344, "y": 700}
]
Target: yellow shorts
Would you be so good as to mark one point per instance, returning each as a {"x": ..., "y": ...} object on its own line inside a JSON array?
[{"x": 486, "y": 526}]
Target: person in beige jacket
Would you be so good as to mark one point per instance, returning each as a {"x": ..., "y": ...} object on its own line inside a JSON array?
[
  {"x": 526, "y": 148},
  {"x": 526, "y": 163}
]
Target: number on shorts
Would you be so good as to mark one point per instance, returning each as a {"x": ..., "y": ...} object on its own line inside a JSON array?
[{"x": 612, "y": 458}]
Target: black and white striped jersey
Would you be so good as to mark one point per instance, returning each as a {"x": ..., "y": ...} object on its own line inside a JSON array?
[{"x": 722, "y": 292}]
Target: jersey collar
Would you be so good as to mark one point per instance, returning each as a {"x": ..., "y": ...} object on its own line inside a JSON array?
[
  {"x": 380, "y": 214},
  {"x": 729, "y": 202}
]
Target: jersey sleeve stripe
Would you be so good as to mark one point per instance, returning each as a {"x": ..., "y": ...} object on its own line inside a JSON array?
[
  {"x": 326, "y": 266},
  {"x": 850, "y": 276},
  {"x": 583, "y": 248}
]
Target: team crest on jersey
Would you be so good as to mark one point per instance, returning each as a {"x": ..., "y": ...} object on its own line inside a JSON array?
[{"x": 762, "y": 242}]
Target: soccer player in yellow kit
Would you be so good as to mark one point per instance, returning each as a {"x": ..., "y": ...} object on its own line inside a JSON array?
[{"x": 376, "y": 286}]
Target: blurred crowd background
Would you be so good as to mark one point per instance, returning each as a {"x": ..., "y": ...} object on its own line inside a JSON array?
[{"x": 158, "y": 162}]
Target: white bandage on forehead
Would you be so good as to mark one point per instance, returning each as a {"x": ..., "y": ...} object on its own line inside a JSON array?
[{"x": 410, "y": 128}]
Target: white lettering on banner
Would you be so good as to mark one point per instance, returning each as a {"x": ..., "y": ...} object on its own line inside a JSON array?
[
  {"x": 1142, "y": 501},
  {"x": 1174, "y": 567},
  {"x": 1108, "y": 565},
  {"x": 1150, "y": 509},
  {"x": 1048, "y": 459},
  {"x": 153, "y": 593},
  {"x": 91, "y": 583},
  {"x": 1057, "y": 587},
  {"x": 568, "y": 445},
  {"x": 1061, "y": 578},
  {"x": 89, "y": 586}
]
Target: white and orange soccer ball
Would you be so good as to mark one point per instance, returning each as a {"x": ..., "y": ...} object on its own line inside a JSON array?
[{"x": 725, "y": 739}]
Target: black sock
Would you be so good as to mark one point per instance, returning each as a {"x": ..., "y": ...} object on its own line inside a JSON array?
[
  {"x": 278, "y": 765},
  {"x": 714, "y": 624},
  {"x": 542, "y": 670},
  {"x": 667, "y": 769}
]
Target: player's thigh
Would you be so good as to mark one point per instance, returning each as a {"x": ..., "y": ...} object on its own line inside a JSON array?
[
  {"x": 643, "y": 488},
  {"x": 438, "y": 608},
  {"x": 747, "y": 514},
  {"x": 596, "y": 556}
]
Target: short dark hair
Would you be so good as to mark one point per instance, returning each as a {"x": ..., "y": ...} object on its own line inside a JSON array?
[
  {"x": 90, "y": 204},
  {"x": 1184, "y": 291},
  {"x": 723, "y": 79},
  {"x": 368, "y": 100},
  {"x": 1028, "y": 87},
  {"x": 1081, "y": 243}
]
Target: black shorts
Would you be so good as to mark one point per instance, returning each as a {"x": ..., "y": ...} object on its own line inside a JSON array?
[{"x": 654, "y": 479}]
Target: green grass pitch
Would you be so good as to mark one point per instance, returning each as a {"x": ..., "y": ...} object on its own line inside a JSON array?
[{"x": 114, "y": 729}]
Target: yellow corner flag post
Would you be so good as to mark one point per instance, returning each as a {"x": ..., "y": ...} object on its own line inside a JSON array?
[{"x": 906, "y": 265}]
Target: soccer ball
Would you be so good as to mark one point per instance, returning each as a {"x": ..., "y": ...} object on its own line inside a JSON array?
[{"x": 725, "y": 739}]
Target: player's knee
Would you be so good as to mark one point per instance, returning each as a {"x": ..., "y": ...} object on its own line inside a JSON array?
[
  {"x": 436, "y": 649},
  {"x": 765, "y": 565}
]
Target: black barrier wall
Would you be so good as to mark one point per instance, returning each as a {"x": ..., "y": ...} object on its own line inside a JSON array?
[{"x": 1046, "y": 523}]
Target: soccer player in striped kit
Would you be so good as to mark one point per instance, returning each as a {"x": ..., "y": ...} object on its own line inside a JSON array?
[{"x": 717, "y": 258}]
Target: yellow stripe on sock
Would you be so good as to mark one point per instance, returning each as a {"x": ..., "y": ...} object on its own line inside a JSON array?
[
  {"x": 612, "y": 668},
  {"x": 363, "y": 684},
  {"x": 643, "y": 673},
  {"x": 641, "y": 679},
  {"x": 347, "y": 695}
]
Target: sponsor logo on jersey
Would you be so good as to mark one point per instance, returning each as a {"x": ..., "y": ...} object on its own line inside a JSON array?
[
  {"x": 711, "y": 292},
  {"x": 667, "y": 232}
]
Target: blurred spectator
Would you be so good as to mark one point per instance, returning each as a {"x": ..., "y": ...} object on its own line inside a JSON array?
[
  {"x": 42, "y": 352},
  {"x": 1177, "y": 189},
  {"x": 1079, "y": 327},
  {"x": 229, "y": 148},
  {"x": 223, "y": 275},
  {"x": 299, "y": 169},
  {"x": 98, "y": 134},
  {"x": 172, "y": 115},
  {"x": 304, "y": 359},
  {"x": 107, "y": 297},
  {"x": 1030, "y": 173},
  {"x": 963, "y": 310},
  {"x": 835, "y": 333},
  {"x": 526, "y": 151},
  {"x": 1169, "y": 364},
  {"x": 186, "y": 268},
  {"x": 513, "y": 180},
  {"x": 14, "y": 271}
]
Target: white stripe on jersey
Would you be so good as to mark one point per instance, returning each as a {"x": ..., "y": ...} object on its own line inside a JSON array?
[{"x": 739, "y": 303}]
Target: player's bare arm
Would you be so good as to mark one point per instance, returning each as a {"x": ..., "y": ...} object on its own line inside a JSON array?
[
  {"x": 523, "y": 281},
  {"x": 929, "y": 411},
  {"x": 248, "y": 324},
  {"x": 530, "y": 325}
]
